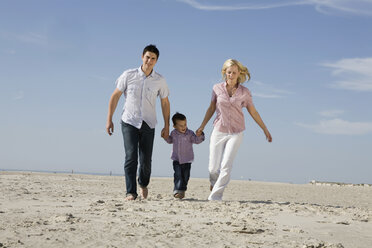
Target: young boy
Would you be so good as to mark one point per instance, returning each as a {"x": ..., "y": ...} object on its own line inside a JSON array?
[{"x": 182, "y": 155}]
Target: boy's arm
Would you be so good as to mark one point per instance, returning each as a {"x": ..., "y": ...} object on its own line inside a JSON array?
[
  {"x": 169, "y": 140},
  {"x": 197, "y": 139}
]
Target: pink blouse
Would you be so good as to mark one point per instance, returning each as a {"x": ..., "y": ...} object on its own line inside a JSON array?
[{"x": 230, "y": 117}]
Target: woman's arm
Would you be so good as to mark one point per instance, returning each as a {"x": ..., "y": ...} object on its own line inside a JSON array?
[
  {"x": 207, "y": 117},
  {"x": 257, "y": 118}
]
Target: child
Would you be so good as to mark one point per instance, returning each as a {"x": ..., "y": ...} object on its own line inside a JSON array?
[{"x": 182, "y": 155}]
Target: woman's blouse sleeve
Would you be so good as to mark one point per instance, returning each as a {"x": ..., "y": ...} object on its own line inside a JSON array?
[
  {"x": 214, "y": 96},
  {"x": 248, "y": 98}
]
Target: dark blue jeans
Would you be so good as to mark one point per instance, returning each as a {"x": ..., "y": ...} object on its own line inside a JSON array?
[
  {"x": 137, "y": 142},
  {"x": 181, "y": 176}
]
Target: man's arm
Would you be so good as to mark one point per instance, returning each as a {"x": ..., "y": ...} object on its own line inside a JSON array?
[
  {"x": 112, "y": 106},
  {"x": 165, "y": 108}
]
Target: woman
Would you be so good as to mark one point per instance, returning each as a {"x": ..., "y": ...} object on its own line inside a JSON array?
[{"x": 228, "y": 99}]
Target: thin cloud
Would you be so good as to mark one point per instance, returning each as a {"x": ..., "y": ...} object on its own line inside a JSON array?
[
  {"x": 331, "y": 113},
  {"x": 356, "y": 7},
  {"x": 264, "y": 90},
  {"x": 29, "y": 37},
  {"x": 19, "y": 95},
  {"x": 252, "y": 5},
  {"x": 356, "y": 74},
  {"x": 266, "y": 95},
  {"x": 33, "y": 38},
  {"x": 339, "y": 127}
]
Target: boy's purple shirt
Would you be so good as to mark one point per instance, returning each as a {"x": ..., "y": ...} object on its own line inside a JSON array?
[{"x": 182, "y": 145}]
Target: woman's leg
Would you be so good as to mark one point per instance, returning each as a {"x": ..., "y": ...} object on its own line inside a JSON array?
[
  {"x": 231, "y": 149},
  {"x": 216, "y": 148}
]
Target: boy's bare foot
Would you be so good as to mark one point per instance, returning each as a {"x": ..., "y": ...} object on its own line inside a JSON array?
[
  {"x": 129, "y": 198},
  {"x": 144, "y": 192},
  {"x": 210, "y": 187}
]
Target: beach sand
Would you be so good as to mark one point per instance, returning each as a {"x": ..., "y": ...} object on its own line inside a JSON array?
[{"x": 71, "y": 210}]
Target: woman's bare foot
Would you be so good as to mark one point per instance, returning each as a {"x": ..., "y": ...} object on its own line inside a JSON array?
[
  {"x": 144, "y": 192},
  {"x": 210, "y": 187}
]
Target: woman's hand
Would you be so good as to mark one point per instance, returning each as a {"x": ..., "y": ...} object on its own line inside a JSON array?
[
  {"x": 268, "y": 135},
  {"x": 199, "y": 131}
]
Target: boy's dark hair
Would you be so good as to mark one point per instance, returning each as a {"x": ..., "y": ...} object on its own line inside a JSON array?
[
  {"x": 178, "y": 117},
  {"x": 151, "y": 48}
]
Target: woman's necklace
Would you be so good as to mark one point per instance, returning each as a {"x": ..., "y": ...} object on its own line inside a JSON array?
[{"x": 231, "y": 89}]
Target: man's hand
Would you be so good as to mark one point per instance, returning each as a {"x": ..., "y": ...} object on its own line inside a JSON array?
[
  {"x": 165, "y": 132},
  {"x": 110, "y": 128}
]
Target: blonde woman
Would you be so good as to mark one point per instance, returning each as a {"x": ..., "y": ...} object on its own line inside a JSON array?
[{"x": 228, "y": 99}]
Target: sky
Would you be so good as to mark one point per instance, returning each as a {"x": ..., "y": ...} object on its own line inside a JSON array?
[{"x": 310, "y": 63}]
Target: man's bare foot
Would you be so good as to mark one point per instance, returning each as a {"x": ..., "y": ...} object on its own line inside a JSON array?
[
  {"x": 144, "y": 192},
  {"x": 210, "y": 187},
  {"x": 180, "y": 195},
  {"x": 129, "y": 198}
]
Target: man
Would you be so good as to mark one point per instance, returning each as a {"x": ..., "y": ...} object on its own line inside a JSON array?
[{"x": 140, "y": 87}]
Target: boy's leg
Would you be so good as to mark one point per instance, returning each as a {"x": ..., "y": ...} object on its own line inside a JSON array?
[
  {"x": 177, "y": 177},
  {"x": 186, "y": 168},
  {"x": 130, "y": 136}
]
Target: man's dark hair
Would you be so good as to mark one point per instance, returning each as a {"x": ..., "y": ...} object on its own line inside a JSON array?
[
  {"x": 151, "y": 48},
  {"x": 178, "y": 117}
]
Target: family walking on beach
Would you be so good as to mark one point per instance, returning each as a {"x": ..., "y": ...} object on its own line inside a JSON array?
[{"x": 141, "y": 87}]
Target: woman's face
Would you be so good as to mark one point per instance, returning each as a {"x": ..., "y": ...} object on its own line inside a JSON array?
[{"x": 232, "y": 73}]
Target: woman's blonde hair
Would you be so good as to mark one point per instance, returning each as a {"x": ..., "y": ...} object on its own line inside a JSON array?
[{"x": 244, "y": 73}]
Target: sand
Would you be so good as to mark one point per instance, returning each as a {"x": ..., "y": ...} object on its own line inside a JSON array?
[{"x": 64, "y": 210}]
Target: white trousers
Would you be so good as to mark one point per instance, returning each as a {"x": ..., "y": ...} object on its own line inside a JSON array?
[{"x": 222, "y": 151}]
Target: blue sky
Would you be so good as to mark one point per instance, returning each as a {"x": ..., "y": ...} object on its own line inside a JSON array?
[{"x": 310, "y": 61}]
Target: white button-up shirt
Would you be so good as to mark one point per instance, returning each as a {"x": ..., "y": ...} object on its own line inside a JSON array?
[{"x": 140, "y": 96}]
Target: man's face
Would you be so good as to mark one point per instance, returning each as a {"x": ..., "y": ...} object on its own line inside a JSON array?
[{"x": 149, "y": 60}]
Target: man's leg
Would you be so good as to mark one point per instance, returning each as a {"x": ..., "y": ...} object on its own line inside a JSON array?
[
  {"x": 146, "y": 142},
  {"x": 130, "y": 136}
]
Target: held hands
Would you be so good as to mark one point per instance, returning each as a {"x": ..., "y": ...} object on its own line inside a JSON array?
[
  {"x": 165, "y": 132},
  {"x": 199, "y": 131}
]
